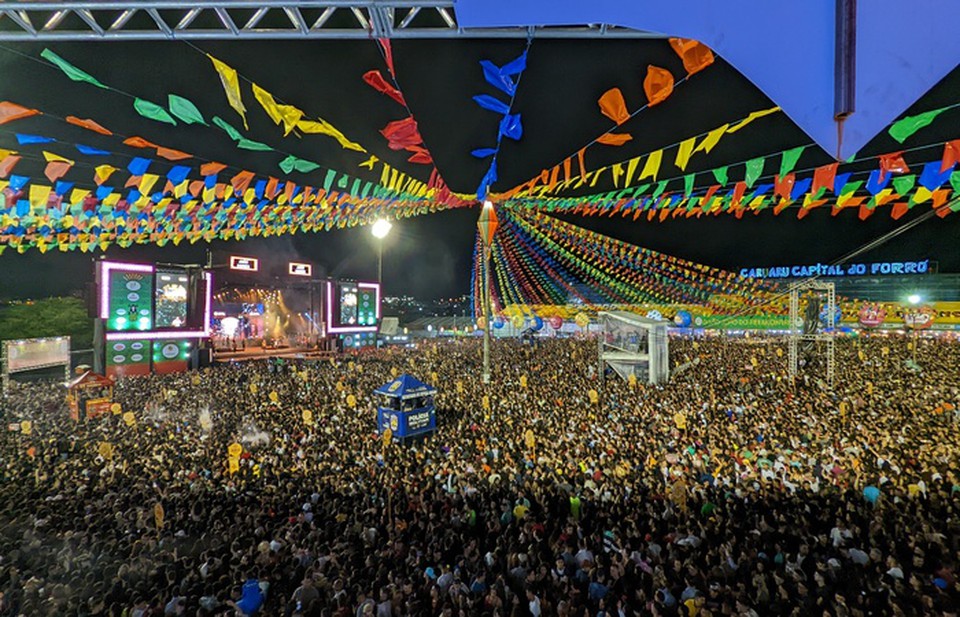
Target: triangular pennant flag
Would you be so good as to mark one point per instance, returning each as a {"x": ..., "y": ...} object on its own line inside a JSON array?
[
  {"x": 720, "y": 174},
  {"x": 185, "y": 110},
  {"x": 322, "y": 127},
  {"x": 823, "y": 177},
  {"x": 11, "y": 111},
  {"x": 658, "y": 85},
  {"x": 754, "y": 168},
  {"x": 788, "y": 160},
  {"x": 172, "y": 155},
  {"x": 652, "y": 167},
  {"x": 902, "y": 129},
  {"x": 711, "y": 139},
  {"x": 613, "y": 106},
  {"x": 695, "y": 55},
  {"x": 91, "y": 151},
  {"x": 212, "y": 168},
  {"x": 151, "y": 110},
  {"x": 951, "y": 155},
  {"x": 750, "y": 118},
  {"x": 88, "y": 124},
  {"x": 287, "y": 115},
  {"x": 69, "y": 70},
  {"x": 614, "y": 139},
  {"x": 102, "y": 173},
  {"x": 231, "y": 87},
  {"x": 684, "y": 152}
]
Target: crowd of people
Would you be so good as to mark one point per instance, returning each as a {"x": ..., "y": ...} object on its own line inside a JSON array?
[{"x": 730, "y": 490}]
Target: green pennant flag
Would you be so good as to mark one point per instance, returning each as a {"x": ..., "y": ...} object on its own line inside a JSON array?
[
  {"x": 904, "y": 184},
  {"x": 688, "y": 184},
  {"x": 227, "y": 128},
  {"x": 343, "y": 181},
  {"x": 902, "y": 129},
  {"x": 851, "y": 187},
  {"x": 185, "y": 110},
  {"x": 754, "y": 169},
  {"x": 955, "y": 181},
  {"x": 153, "y": 111},
  {"x": 789, "y": 160},
  {"x": 71, "y": 71},
  {"x": 661, "y": 187},
  {"x": 248, "y": 144},
  {"x": 328, "y": 180},
  {"x": 720, "y": 174}
]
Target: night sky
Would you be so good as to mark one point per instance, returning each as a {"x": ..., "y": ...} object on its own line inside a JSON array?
[{"x": 430, "y": 256}]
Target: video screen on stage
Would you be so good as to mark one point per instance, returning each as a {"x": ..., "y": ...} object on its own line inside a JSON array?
[
  {"x": 170, "y": 293},
  {"x": 367, "y": 306},
  {"x": 349, "y": 303},
  {"x": 130, "y": 300},
  {"x": 31, "y": 354}
]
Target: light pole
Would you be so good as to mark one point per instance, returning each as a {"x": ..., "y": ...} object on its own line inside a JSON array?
[
  {"x": 488, "y": 227},
  {"x": 380, "y": 230},
  {"x": 914, "y": 300}
]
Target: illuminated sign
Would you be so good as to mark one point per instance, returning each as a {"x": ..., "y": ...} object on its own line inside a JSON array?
[
  {"x": 821, "y": 269},
  {"x": 248, "y": 264},
  {"x": 349, "y": 300},
  {"x": 299, "y": 269}
]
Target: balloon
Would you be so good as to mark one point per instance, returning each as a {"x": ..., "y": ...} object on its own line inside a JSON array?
[
  {"x": 105, "y": 449},
  {"x": 537, "y": 324},
  {"x": 307, "y": 417},
  {"x": 582, "y": 320},
  {"x": 234, "y": 450},
  {"x": 116, "y": 409},
  {"x": 499, "y": 322},
  {"x": 129, "y": 418},
  {"x": 683, "y": 319},
  {"x": 517, "y": 321},
  {"x": 556, "y": 322},
  {"x": 871, "y": 494},
  {"x": 351, "y": 401},
  {"x": 481, "y": 322}
]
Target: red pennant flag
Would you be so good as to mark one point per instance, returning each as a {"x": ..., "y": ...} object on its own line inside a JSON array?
[
  {"x": 823, "y": 177},
  {"x": 892, "y": 162},
  {"x": 951, "y": 155},
  {"x": 387, "y": 54},
  {"x": 783, "y": 186},
  {"x": 738, "y": 190},
  {"x": 899, "y": 209},
  {"x": 11, "y": 111},
  {"x": 376, "y": 80},
  {"x": 865, "y": 212},
  {"x": 402, "y": 133}
]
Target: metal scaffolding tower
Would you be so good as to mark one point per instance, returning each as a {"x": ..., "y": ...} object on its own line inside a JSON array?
[
  {"x": 95, "y": 20},
  {"x": 808, "y": 331}
]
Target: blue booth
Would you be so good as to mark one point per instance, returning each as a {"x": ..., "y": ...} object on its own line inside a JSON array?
[{"x": 406, "y": 407}]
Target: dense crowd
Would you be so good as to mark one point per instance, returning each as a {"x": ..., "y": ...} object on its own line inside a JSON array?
[{"x": 729, "y": 491}]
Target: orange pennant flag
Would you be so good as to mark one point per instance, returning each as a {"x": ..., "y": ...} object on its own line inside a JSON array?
[
  {"x": 7, "y": 164},
  {"x": 695, "y": 55},
  {"x": 139, "y": 142},
  {"x": 172, "y": 155},
  {"x": 11, "y": 111},
  {"x": 613, "y": 106},
  {"x": 212, "y": 168},
  {"x": 567, "y": 163},
  {"x": 57, "y": 169},
  {"x": 90, "y": 125},
  {"x": 583, "y": 167},
  {"x": 658, "y": 85},
  {"x": 614, "y": 139}
]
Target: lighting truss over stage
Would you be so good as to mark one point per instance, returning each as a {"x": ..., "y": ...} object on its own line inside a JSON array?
[{"x": 35, "y": 20}]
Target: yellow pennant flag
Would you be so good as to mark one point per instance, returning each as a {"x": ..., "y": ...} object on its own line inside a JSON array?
[
  {"x": 231, "y": 87},
  {"x": 684, "y": 152},
  {"x": 50, "y": 157},
  {"x": 288, "y": 115},
  {"x": 617, "y": 174},
  {"x": 103, "y": 172},
  {"x": 632, "y": 165},
  {"x": 38, "y": 196},
  {"x": 753, "y": 116},
  {"x": 652, "y": 167},
  {"x": 711, "y": 139},
  {"x": 322, "y": 127},
  {"x": 147, "y": 183},
  {"x": 76, "y": 196},
  {"x": 370, "y": 162}
]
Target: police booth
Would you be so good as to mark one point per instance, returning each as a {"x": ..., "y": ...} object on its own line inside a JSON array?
[{"x": 406, "y": 407}]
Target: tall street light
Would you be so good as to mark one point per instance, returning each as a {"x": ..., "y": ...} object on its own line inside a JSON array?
[
  {"x": 380, "y": 230},
  {"x": 488, "y": 227}
]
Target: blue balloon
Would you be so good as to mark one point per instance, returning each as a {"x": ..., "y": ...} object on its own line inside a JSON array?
[
  {"x": 537, "y": 324},
  {"x": 499, "y": 322},
  {"x": 871, "y": 494},
  {"x": 683, "y": 319}
]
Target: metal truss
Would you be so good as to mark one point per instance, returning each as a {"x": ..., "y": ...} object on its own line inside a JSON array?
[
  {"x": 827, "y": 292},
  {"x": 91, "y": 20}
]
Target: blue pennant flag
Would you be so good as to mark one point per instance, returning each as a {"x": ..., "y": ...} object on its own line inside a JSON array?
[
  {"x": 482, "y": 153},
  {"x": 91, "y": 151},
  {"x": 24, "y": 139},
  {"x": 510, "y": 127},
  {"x": 493, "y": 104},
  {"x": 139, "y": 166}
]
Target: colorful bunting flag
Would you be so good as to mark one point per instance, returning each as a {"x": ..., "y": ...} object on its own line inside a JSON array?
[
  {"x": 904, "y": 128},
  {"x": 695, "y": 55},
  {"x": 11, "y": 111},
  {"x": 231, "y": 87},
  {"x": 613, "y": 106},
  {"x": 658, "y": 85},
  {"x": 151, "y": 110},
  {"x": 69, "y": 70},
  {"x": 184, "y": 110}
]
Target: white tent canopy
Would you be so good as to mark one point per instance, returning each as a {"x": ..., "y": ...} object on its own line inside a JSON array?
[{"x": 634, "y": 345}]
